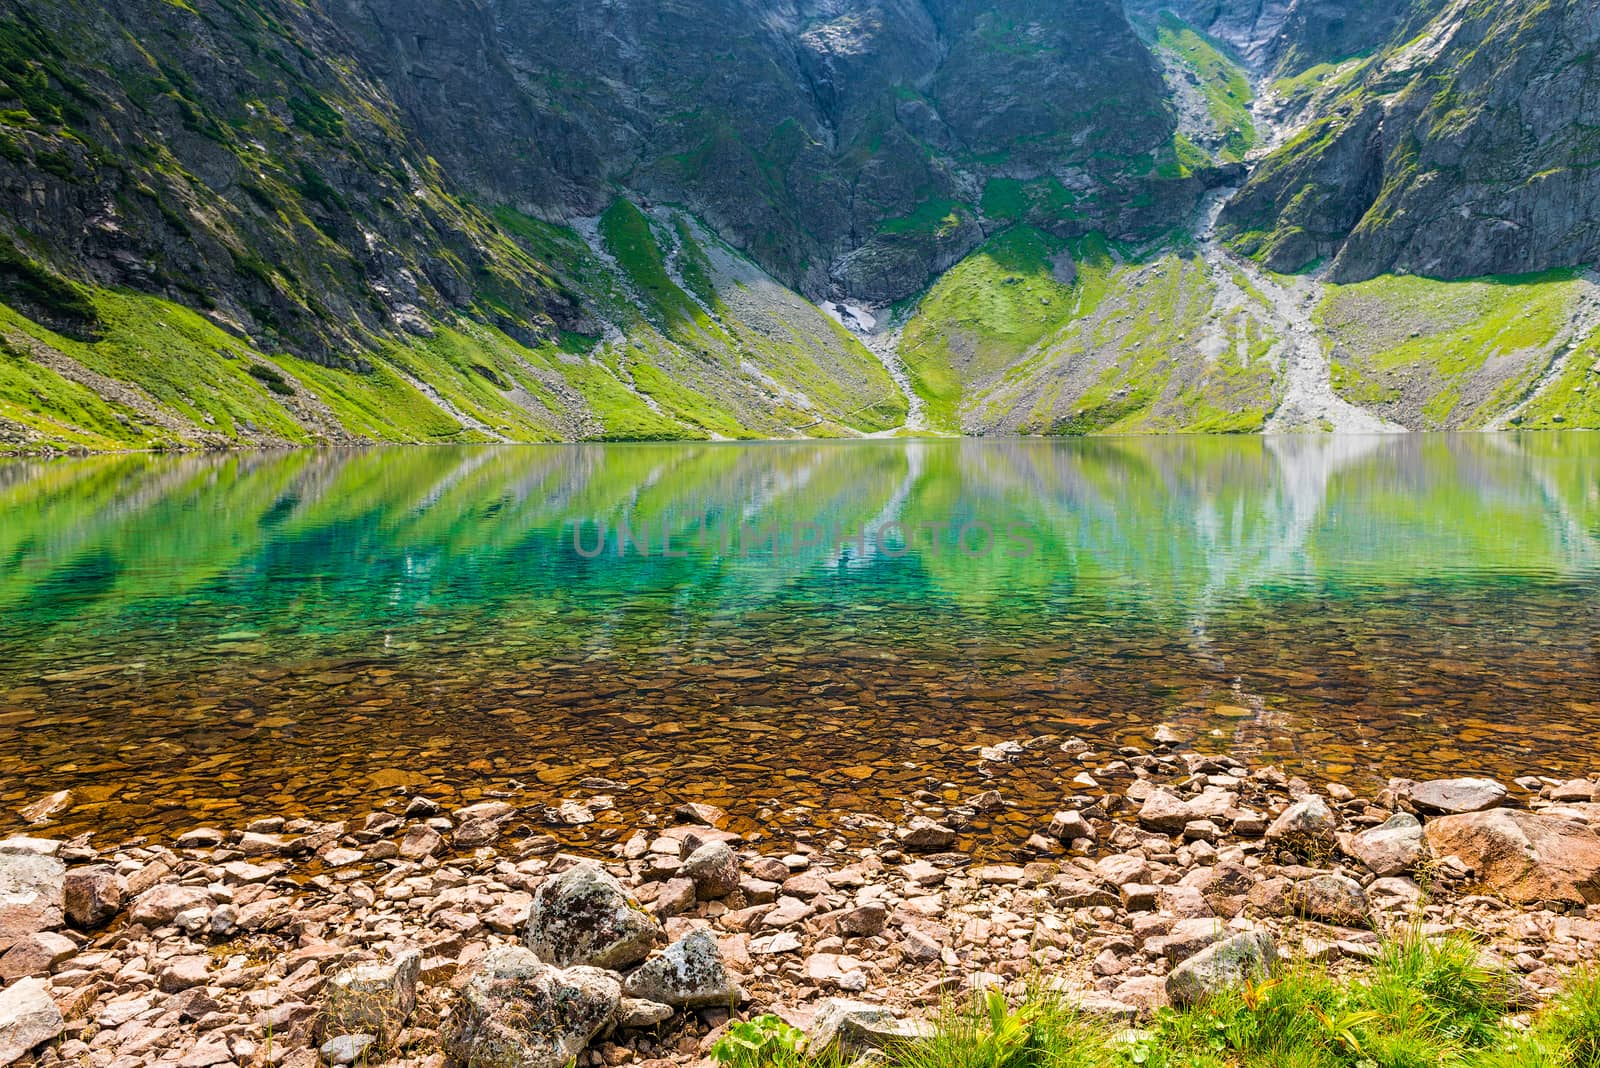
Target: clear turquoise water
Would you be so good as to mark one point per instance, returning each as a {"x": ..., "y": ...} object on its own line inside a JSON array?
[{"x": 204, "y": 638}]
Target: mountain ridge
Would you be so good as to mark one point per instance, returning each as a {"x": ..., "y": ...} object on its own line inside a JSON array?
[{"x": 353, "y": 194}]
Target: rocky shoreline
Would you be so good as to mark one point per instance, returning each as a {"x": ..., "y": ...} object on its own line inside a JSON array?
[{"x": 415, "y": 936}]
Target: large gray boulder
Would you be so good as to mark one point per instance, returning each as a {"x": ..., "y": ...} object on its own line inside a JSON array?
[
  {"x": 1455, "y": 796},
  {"x": 516, "y": 1011},
  {"x": 1393, "y": 848},
  {"x": 1243, "y": 957},
  {"x": 688, "y": 974},
  {"x": 28, "y": 1019},
  {"x": 584, "y": 917}
]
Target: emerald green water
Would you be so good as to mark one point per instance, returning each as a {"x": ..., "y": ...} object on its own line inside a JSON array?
[{"x": 206, "y": 639}]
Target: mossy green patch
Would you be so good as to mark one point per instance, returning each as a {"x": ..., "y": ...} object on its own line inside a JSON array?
[
  {"x": 931, "y": 218},
  {"x": 1461, "y": 353},
  {"x": 983, "y": 315},
  {"x": 628, "y": 236}
]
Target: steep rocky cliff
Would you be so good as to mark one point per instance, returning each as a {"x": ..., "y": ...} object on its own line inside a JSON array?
[
  {"x": 343, "y": 220},
  {"x": 844, "y": 144},
  {"x": 1468, "y": 148}
]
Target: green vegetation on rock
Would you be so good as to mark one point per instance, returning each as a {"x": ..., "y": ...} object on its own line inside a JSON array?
[
  {"x": 983, "y": 315},
  {"x": 1221, "y": 80}
]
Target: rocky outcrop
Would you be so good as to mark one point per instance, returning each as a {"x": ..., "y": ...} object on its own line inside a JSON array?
[
  {"x": 1523, "y": 856},
  {"x": 282, "y": 198},
  {"x": 1460, "y": 151}
]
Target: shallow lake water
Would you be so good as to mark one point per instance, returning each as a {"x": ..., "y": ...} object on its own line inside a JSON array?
[{"x": 798, "y": 632}]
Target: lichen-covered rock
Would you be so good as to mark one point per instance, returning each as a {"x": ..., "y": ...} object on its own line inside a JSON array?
[
  {"x": 687, "y": 974},
  {"x": 1522, "y": 856},
  {"x": 583, "y": 917},
  {"x": 517, "y": 1011},
  {"x": 373, "y": 999},
  {"x": 1243, "y": 957}
]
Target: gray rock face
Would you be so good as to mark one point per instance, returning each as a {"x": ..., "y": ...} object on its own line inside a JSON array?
[
  {"x": 1288, "y": 35},
  {"x": 688, "y": 974},
  {"x": 1378, "y": 187},
  {"x": 1214, "y": 969},
  {"x": 519, "y": 1012},
  {"x": 1453, "y": 796},
  {"x": 1393, "y": 848},
  {"x": 827, "y": 141},
  {"x": 583, "y": 917},
  {"x": 28, "y": 1019}
]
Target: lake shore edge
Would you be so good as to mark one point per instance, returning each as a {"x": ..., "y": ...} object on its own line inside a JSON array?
[{"x": 419, "y": 937}]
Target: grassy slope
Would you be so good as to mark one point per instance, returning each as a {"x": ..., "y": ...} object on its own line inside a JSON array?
[
  {"x": 1000, "y": 344},
  {"x": 1221, "y": 81},
  {"x": 1449, "y": 355},
  {"x": 981, "y": 317},
  {"x": 686, "y": 367}
]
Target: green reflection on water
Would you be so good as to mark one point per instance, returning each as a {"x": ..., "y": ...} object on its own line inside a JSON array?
[{"x": 304, "y": 554}]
